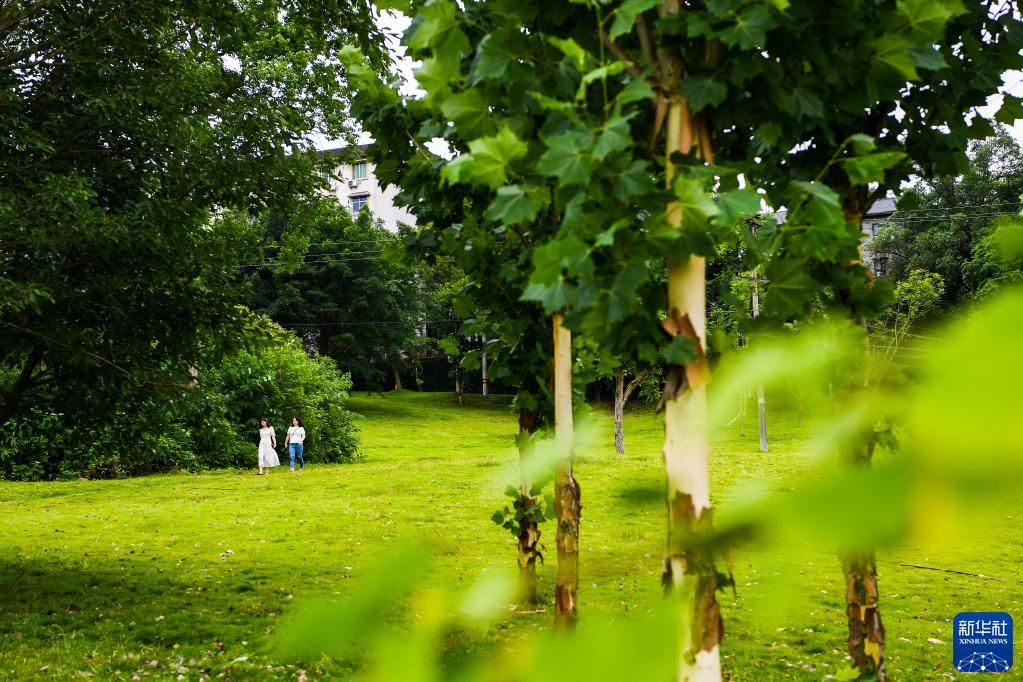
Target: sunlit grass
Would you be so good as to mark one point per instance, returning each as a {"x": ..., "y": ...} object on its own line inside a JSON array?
[{"x": 183, "y": 574}]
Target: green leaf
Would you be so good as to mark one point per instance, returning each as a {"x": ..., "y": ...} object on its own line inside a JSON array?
[
  {"x": 625, "y": 15},
  {"x": 703, "y": 92},
  {"x": 623, "y": 290},
  {"x": 750, "y": 27},
  {"x": 567, "y": 157},
  {"x": 572, "y": 50},
  {"x": 450, "y": 346},
  {"x": 861, "y": 143},
  {"x": 554, "y": 104},
  {"x": 789, "y": 284},
  {"x": 1010, "y": 111},
  {"x": 892, "y": 53},
  {"x": 437, "y": 26},
  {"x": 492, "y": 156},
  {"x": 512, "y": 206},
  {"x": 458, "y": 170},
  {"x": 616, "y": 135},
  {"x": 863, "y": 170},
  {"x": 493, "y": 57},
  {"x": 497, "y": 517},
  {"x": 601, "y": 72},
  {"x": 436, "y": 74},
  {"x": 801, "y": 104},
  {"x": 680, "y": 351},
  {"x": 470, "y": 114},
  {"x": 734, "y": 206},
  {"x": 926, "y": 57},
  {"x": 925, "y": 20},
  {"x": 697, "y": 205},
  {"x": 636, "y": 180},
  {"x": 767, "y": 135},
  {"x": 637, "y": 90}
]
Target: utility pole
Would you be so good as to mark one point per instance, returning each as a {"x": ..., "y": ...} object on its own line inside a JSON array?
[
  {"x": 761, "y": 403},
  {"x": 483, "y": 366}
]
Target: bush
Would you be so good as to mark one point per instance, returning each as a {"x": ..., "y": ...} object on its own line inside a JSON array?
[
  {"x": 277, "y": 381},
  {"x": 214, "y": 424}
]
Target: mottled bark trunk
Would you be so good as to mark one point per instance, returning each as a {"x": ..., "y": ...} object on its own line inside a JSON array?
[
  {"x": 567, "y": 507},
  {"x": 397, "y": 377},
  {"x": 458, "y": 388},
  {"x": 688, "y": 572},
  {"x": 866, "y": 640},
  {"x": 863, "y": 611},
  {"x": 529, "y": 532},
  {"x": 619, "y": 410}
]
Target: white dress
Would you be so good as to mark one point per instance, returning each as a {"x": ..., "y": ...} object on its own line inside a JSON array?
[{"x": 267, "y": 454}]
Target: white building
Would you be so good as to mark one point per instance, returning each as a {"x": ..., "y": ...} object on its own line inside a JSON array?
[
  {"x": 354, "y": 185},
  {"x": 880, "y": 213}
]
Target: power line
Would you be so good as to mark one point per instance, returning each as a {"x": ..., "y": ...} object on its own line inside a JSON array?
[
  {"x": 333, "y": 241},
  {"x": 359, "y": 324},
  {"x": 276, "y": 264}
]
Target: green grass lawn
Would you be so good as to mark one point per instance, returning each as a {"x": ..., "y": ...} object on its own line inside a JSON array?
[{"x": 190, "y": 574}]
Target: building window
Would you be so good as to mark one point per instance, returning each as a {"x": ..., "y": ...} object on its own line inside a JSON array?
[
  {"x": 359, "y": 202},
  {"x": 873, "y": 229},
  {"x": 359, "y": 171},
  {"x": 881, "y": 266},
  {"x": 325, "y": 175}
]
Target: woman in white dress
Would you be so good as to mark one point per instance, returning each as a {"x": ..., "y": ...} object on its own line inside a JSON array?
[{"x": 267, "y": 446}]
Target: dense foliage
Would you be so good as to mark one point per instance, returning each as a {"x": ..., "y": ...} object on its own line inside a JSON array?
[
  {"x": 326, "y": 277},
  {"x": 212, "y": 424},
  {"x": 945, "y": 225},
  {"x": 126, "y": 130}
]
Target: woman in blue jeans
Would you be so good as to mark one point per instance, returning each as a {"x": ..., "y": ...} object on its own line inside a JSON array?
[{"x": 294, "y": 442}]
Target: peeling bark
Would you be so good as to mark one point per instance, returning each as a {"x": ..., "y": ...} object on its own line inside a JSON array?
[
  {"x": 567, "y": 507},
  {"x": 863, "y": 611},
  {"x": 529, "y": 533},
  {"x": 689, "y": 573}
]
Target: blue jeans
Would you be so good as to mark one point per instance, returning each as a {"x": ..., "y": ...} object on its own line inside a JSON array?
[{"x": 295, "y": 449}]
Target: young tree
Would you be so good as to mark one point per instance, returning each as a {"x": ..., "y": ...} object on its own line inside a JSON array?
[{"x": 644, "y": 125}]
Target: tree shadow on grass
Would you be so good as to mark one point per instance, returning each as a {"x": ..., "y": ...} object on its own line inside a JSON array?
[{"x": 642, "y": 495}]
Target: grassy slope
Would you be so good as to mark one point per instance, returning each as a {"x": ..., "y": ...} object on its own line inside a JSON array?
[{"x": 178, "y": 574}]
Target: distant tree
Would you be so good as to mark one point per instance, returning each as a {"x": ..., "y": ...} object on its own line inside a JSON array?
[
  {"x": 948, "y": 222},
  {"x": 128, "y": 133},
  {"x": 327, "y": 276}
]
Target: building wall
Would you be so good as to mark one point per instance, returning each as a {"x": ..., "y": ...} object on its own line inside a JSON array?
[{"x": 351, "y": 191}]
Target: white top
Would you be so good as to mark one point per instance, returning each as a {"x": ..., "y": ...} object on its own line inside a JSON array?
[{"x": 296, "y": 434}]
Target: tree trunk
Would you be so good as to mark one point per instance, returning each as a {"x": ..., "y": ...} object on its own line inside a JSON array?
[
  {"x": 619, "y": 410},
  {"x": 24, "y": 380},
  {"x": 529, "y": 532},
  {"x": 862, "y": 601},
  {"x": 567, "y": 507},
  {"x": 689, "y": 572},
  {"x": 397, "y": 377},
  {"x": 483, "y": 369},
  {"x": 761, "y": 403},
  {"x": 458, "y": 387},
  {"x": 742, "y": 413},
  {"x": 866, "y": 632}
]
